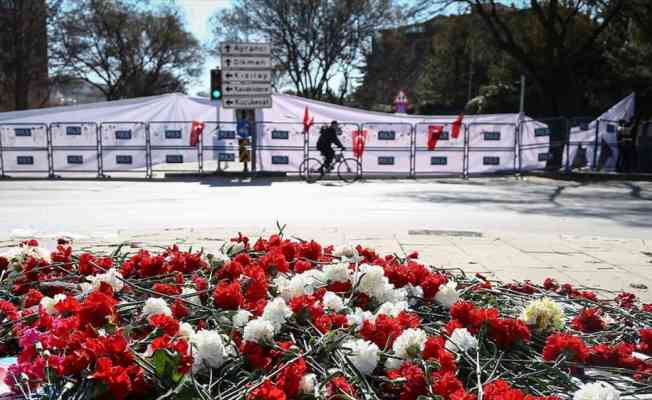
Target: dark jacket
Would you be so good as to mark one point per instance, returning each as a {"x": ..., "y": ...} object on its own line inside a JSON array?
[{"x": 327, "y": 138}]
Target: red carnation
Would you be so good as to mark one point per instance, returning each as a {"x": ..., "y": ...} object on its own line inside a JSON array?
[
  {"x": 645, "y": 345},
  {"x": 97, "y": 308},
  {"x": 338, "y": 387},
  {"x": 228, "y": 296},
  {"x": 588, "y": 321},
  {"x": 32, "y": 298},
  {"x": 415, "y": 382},
  {"x": 166, "y": 289},
  {"x": 289, "y": 379},
  {"x": 9, "y": 310},
  {"x": 571, "y": 346},
  {"x": 383, "y": 331},
  {"x": 508, "y": 332},
  {"x": 431, "y": 284},
  {"x": 267, "y": 391},
  {"x": 445, "y": 384},
  {"x": 626, "y": 300},
  {"x": 256, "y": 355},
  {"x": 164, "y": 322}
]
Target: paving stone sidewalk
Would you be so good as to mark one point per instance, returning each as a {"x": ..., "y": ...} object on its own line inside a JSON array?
[{"x": 607, "y": 264}]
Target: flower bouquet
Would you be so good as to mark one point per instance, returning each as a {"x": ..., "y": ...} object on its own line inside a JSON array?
[{"x": 279, "y": 318}]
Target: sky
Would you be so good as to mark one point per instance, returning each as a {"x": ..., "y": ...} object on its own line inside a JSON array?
[{"x": 198, "y": 13}]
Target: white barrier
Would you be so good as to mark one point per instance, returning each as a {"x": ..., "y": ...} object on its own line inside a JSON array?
[
  {"x": 25, "y": 149},
  {"x": 448, "y": 155},
  {"x": 170, "y": 145},
  {"x": 388, "y": 148},
  {"x": 124, "y": 147},
  {"x": 280, "y": 147},
  {"x": 75, "y": 147},
  {"x": 399, "y": 149}
]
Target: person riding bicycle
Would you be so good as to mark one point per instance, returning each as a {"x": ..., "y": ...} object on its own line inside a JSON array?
[{"x": 327, "y": 138}]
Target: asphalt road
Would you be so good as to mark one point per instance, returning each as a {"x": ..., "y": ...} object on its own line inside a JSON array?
[{"x": 533, "y": 206}]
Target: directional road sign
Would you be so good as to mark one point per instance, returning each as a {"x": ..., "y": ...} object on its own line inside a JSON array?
[
  {"x": 245, "y": 49},
  {"x": 246, "y": 76},
  {"x": 247, "y": 89},
  {"x": 248, "y": 102},
  {"x": 238, "y": 62}
]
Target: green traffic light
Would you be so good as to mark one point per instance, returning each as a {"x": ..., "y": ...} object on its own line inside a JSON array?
[{"x": 217, "y": 94}]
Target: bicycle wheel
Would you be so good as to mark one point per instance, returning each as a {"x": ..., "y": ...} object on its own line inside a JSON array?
[
  {"x": 310, "y": 170},
  {"x": 349, "y": 170}
]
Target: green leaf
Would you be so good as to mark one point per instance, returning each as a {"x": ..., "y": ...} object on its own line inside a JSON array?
[{"x": 166, "y": 366}]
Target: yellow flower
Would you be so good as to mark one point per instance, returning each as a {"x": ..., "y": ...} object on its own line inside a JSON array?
[{"x": 544, "y": 315}]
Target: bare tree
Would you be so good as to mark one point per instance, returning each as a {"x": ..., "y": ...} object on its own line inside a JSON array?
[
  {"x": 313, "y": 40},
  {"x": 126, "y": 51},
  {"x": 554, "y": 41}
]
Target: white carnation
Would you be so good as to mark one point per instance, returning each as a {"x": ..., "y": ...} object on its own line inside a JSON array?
[
  {"x": 447, "y": 294},
  {"x": 48, "y": 303},
  {"x": 241, "y": 318},
  {"x": 308, "y": 383},
  {"x": 371, "y": 280},
  {"x": 191, "y": 299},
  {"x": 461, "y": 340},
  {"x": 392, "y": 309},
  {"x": 358, "y": 317},
  {"x": 211, "y": 350},
  {"x": 258, "y": 330},
  {"x": 154, "y": 306},
  {"x": 337, "y": 273},
  {"x": 276, "y": 312},
  {"x": 18, "y": 255},
  {"x": 414, "y": 293},
  {"x": 597, "y": 391},
  {"x": 300, "y": 284},
  {"x": 410, "y": 343},
  {"x": 111, "y": 277},
  {"x": 186, "y": 330},
  {"x": 333, "y": 302},
  {"x": 393, "y": 295},
  {"x": 348, "y": 254},
  {"x": 364, "y": 355}
]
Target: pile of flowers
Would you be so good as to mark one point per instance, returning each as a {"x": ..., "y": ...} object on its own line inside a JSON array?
[{"x": 277, "y": 319}]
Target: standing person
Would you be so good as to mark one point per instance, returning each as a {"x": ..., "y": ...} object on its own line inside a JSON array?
[
  {"x": 328, "y": 138},
  {"x": 244, "y": 133},
  {"x": 625, "y": 147}
]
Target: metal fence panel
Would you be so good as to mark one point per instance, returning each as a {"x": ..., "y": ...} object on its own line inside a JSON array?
[
  {"x": 280, "y": 147},
  {"x": 75, "y": 147},
  {"x": 124, "y": 147},
  {"x": 170, "y": 147},
  {"x": 540, "y": 141},
  {"x": 447, "y": 158},
  {"x": 492, "y": 148},
  {"x": 388, "y": 149},
  {"x": 25, "y": 148}
]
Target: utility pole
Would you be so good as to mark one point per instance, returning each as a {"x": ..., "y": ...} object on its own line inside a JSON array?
[{"x": 522, "y": 108}]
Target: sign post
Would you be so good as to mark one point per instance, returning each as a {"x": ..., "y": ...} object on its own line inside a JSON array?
[
  {"x": 247, "y": 75},
  {"x": 247, "y": 78}
]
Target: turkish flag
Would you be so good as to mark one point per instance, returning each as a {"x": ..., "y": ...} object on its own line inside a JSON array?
[
  {"x": 195, "y": 132},
  {"x": 359, "y": 140},
  {"x": 434, "y": 133},
  {"x": 307, "y": 121},
  {"x": 457, "y": 126}
]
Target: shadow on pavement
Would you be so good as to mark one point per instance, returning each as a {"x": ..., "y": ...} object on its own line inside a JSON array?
[{"x": 625, "y": 204}]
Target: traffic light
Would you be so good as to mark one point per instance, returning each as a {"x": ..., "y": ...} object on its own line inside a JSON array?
[{"x": 216, "y": 84}]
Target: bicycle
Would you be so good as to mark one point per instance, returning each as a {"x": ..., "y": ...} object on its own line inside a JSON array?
[{"x": 348, "y": 170}]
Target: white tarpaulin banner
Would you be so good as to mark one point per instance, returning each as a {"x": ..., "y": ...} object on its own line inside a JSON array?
[
  {"x": 397, "y": 143},
  {"x": 582, "y": 139}
]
